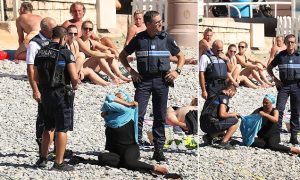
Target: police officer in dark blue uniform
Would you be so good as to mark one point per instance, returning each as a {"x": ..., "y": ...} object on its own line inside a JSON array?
[
  {"x": 54, "y": 69},
  {"x": 40, "y": 40},
  {"x": 215, "y": 117},
  {"x": 213, "y": 70},
  {"x": 153, "y": 48},
  {"x": 288, "y": 62}
]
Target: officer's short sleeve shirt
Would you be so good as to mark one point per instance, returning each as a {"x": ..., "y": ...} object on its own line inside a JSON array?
[
  {"x": 275, "y": 61},
  {"x": 32, "y": 50},
  {"x": 132, "y": 46},
  {"x": 203, "y": 62},
  {"x": 223, "y": 99},
  {"x": 173, "y": 48},
  {"x": 67, "y": 55}
]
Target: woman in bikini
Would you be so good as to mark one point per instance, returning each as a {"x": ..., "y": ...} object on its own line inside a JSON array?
[
  {"x": 99, "y": 57},
  {"x": 83, "y": 72},
  {"x": 234, "y": 69}
]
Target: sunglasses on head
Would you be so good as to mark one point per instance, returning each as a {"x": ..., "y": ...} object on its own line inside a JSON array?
[
  {"x": 70, "y": 34},
  {"x": 86, "y": 28}
]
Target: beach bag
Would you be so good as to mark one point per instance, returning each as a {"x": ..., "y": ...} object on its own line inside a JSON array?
[
  {"x": 192, "y": 122},
  {"x": 249, "y": 127}
]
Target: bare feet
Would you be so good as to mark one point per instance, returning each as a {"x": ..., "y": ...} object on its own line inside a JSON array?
[
  {"x": 295, "y": 150},
  {"x": 160, "y": 169},
  {"x": 130, "y": 59}
]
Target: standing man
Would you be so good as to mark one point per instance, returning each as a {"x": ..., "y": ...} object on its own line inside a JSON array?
[
  {"x": 26, "y": 23},
  {"x": 153, "y": 48},
  {"x": 42, "y": 39},
  {"x": 213, "y": 70},
  {"x": 288, "y": 62},
  {"x": 55, "y": 70},
  {"x": 205, "y": 43}
]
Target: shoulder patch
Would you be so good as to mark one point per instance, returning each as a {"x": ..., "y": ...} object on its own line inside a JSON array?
[
  {"x": 72, "y": 58},
  {"x": 225, "y": 101},
  {"x": 175, "y": 43}
]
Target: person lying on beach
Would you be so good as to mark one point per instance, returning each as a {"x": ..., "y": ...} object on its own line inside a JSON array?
[
  {"x": 277, "y": 48},
  {"x": 83, "y": 72},
  {"x": 268, "y": 137},
  {"x": 120, "y": 114},
  {"x": 215, "y": 118},
  {"x": 181, "y": 116},
  {"x": 98, "y": 57},
  {"x": 77, "y": 10},
  {"x": 253, "y": 68},
  {"x": 26, "y": 23},
  {"x": 234, "y": 70}
]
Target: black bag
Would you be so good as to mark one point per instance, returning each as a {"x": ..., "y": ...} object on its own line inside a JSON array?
[{"x": 191, "y": 121}]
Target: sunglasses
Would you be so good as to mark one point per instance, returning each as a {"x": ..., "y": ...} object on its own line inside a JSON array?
[
  {"x": 71, "y": 34},
  {"x": 86, "y": 28},
  {"x": 158, "y": 22},
  {"x": 220, "y": 50},
  {"x": 290, "y": 42},
  {"x": 232, "y": 51},
  {"x": 241, "y": 47}
]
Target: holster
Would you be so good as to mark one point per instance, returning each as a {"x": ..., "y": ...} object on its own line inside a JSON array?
[{"x": 69, "y": 95}]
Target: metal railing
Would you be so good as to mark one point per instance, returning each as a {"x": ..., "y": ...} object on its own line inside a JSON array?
[{"x": 251, "y": 4}]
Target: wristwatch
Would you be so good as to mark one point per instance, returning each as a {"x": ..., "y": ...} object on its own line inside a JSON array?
[{"x": 178, "y": 71}]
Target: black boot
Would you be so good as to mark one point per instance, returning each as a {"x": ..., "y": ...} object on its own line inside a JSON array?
[
  {"x": 294, "y": 139},
  {"x": 158, "y": 155}
]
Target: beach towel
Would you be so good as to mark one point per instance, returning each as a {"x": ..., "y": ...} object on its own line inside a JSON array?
[
  {"x": 118, "y": 114},
  {"x": 249, "y": 127}
]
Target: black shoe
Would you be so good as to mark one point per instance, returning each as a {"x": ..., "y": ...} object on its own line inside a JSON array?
[
  {"x": 68, "y": 153},
  {"x": 283, "y": 131},
  {"x": 158, "y": 155},
  {"x": 41, "y": 162},
  {"x": 294, "y": 141},
  {"x": 207, "y": 139},
  {"x": 224, "y": 145},
  {"x": 62, "y": 167}
]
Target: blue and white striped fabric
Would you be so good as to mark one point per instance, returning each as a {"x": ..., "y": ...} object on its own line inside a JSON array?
[{"x": 152, "y": 53}]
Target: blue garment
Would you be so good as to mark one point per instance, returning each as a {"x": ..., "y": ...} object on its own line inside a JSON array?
[
  {"x": 249, "y": 127},
  {"x": 118, "y": 115}
]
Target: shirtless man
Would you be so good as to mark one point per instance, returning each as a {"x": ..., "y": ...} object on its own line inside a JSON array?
[
  {"x": 205, "y": 43},
  {"x": 176, "y": 116},
  {"x": 277, "y": 48},
  {"x": 28, "y": 23},
  {"x": 77, "y": 10}
]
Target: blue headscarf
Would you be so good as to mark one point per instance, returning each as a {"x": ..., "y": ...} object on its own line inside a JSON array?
[
  {"x": 271, "y": 98},
  {"x": 118, "y": 115}
]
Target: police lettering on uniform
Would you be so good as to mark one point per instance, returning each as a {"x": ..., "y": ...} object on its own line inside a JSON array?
[
  {"x": 215, "y": 117},
  {"x": 40, "y": 40},
  {"x": 55, "y": 70},
  {"x": 212, "y": 70},
  {"x": 288, "y": 62},
  {"x": 153, "y": 48}
]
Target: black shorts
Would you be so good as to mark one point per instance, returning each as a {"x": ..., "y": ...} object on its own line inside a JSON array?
[
  {"x": 219, "y": 126},
  {"x": 57, "y": 110}
]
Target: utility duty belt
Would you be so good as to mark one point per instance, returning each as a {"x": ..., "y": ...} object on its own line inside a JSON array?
[{"x": 216, "y": 81}]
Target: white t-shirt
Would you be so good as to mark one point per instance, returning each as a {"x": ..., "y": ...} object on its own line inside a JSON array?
[
  {"x": 203, "y": 62},
  {"x": 33, "y": 48}
]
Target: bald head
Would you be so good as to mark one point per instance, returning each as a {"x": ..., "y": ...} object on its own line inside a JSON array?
[
  {"x": 47, "y": 24},
  {"x": 217, "y": 47}
]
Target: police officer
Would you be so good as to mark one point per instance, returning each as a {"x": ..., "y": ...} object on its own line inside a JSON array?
[
  {"x": 55, "y": 70},
  {"x": 213, "y": 70},
  {"x": 41, "y": 39},
  {"x": 153, "y": 48},
  {"x": 288, "y": 62},
  {"x": 216, "y": 119}
]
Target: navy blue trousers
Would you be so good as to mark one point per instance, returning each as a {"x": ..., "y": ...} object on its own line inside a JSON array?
[
  {"x": 292, "y": 91},
  {"x": 159, "y": 89}
]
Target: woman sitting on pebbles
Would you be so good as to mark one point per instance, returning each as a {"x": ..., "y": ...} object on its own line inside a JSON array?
[
  {"x": 234, "y": 69},
  {"x": 268, "y": 137},
  {"x": 83, "y": 72},
  {"x": 121, "y": 117},
  {"x": 99, "y": 57}
]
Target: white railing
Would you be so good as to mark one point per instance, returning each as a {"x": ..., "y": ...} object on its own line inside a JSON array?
[
  {"x": 288, "y": 25},
  {"x": 251, "y": 5},
  {"x": 156, "y": 5}
]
